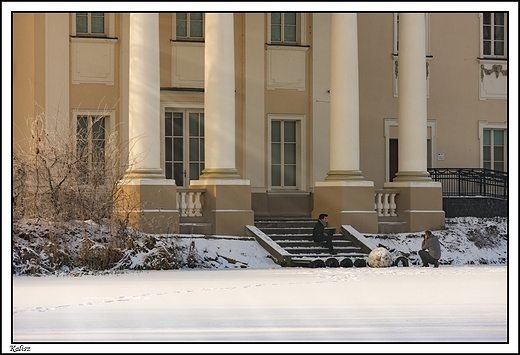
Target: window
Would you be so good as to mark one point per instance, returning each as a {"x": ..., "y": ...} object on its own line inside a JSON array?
[
  {"x": 283, "y": 153},
  {"x": 283, "y": 27},
  {"x": 493, "y": 145},
  {"x": 90, "y": 148},
  {"x": 184, "y": 145},
  {"x": 494, "y": 34},
  {"x": 90, "y": 24},
  {"x": 494, "y": 149},
  {"x": 189, "y": 25}
]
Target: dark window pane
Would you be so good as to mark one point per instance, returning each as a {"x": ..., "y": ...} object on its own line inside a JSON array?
[
  {"x": 194, "y": 149},
  {"x": 201, "y": 125},
  {"x": 289, "y": 176},
  {"x": 195, "y": 29},
  {"x": 487, "y": 153},
  {"x": 98, "y": 25},
  {"x": 178, "y": 124},
  {"x": 486, "y": 18},
  {"x": 196, "y": 16},
  {"x": 499, "y": 48},
  {"x": 290, "y": 34},
  {"x": 276, "y": 33},
  {"x": 276, "y": 18},
  {"x": 499, "y": 166},
  {"x": 194, "y": 124},
  {"x": 276, "y": 154},
  {"x": 180, "y": 24},
  {"x": 178, "y": 174},
  {"x": 276, "y": 175},
  {"x": 499, "y": 18},
  {"x": 289, "y": 134},
  {"x": 498, "y": 153},
  {"x": 487, "y": 137},
  {"x": 178, "y": 153},
  {"x": 81, "y": 129},
  {"x": 486, "y": 32},
  {"x": 498, "y": 137},
  {"x": 168, "y": 148},
  {"x": 276, "y": 134},
  {"x": 168, "y": 124},
  {"x": 290, "y": 18},
  {"x": 168, "y": 167},
  {"x": 499, "y": 33},
  {"x": 289, "y": 153},
  {"x": 194, "y": 171},
  {"x": 81, "y": 23}
]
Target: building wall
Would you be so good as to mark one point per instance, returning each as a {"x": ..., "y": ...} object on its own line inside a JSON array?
[{"x": 454, "y": 107}]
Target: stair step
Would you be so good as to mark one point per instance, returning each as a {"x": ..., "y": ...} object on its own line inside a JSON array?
[{"x": 294, "y": 235}]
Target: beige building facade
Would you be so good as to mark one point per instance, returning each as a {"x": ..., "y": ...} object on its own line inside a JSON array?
[{"x": 243, "y": 115}]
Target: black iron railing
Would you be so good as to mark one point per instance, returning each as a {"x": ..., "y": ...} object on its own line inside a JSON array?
[{"x": 471, "y": 182}]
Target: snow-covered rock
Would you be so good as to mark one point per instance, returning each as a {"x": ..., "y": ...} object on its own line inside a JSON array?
[{"x": 379, "y": 257}]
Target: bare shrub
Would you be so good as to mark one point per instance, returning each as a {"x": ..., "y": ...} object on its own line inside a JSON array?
[{"x": 61, "y": 177}]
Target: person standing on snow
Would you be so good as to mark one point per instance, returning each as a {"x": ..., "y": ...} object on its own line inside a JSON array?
[{"x": 430, "y": 252}]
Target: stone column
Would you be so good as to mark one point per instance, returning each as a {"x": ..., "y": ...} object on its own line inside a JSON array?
[
  {"x": 150, "y": 199},
  {"x": 412, "y": 112},
  {"x": 419, "y": 202},
  {"x": 344, "y": 195},
  {"x": 227, "y": 200}
]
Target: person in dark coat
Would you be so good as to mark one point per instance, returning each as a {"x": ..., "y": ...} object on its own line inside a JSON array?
[
  {"x": 430, "y": 252},
  {"x": 319, "y": 235}
]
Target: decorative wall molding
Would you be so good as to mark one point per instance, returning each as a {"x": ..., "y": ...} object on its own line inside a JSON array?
[
  {"x": 496, "y": 68},
  {"x": 493, "y": 79},
  {"x": 286, "y": 67},
  {"x": 93, "y": 60},
  {"x": 187, "y": 64}
]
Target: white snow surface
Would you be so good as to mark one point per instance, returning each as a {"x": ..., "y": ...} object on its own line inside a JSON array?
[{"x": 239, "y": 300}]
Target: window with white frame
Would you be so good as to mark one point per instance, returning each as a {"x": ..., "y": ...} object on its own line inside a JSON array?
[
  {"x": 284, "y": 27},
  {"x": 183, "y": 145},
  {"x": 493, "y": 34},
  {"x": 493, "y": 145},
  {"x": 91, "y": 24},
  {"x": 283, "y": 153},
  {"x": 189, "y": 25},
  {"x": 493, "y": 149},
  {"x": 91, "y": 136}
]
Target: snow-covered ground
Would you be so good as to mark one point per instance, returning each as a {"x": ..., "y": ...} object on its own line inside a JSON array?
[
  {"x": 43, "y": 248},
  {"x": 237, "y": 296},
  {"x": 459, "y": 305}
]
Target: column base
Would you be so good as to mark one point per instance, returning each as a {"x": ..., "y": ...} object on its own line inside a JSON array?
[
  {"x": 419, "y": 204},
  {"x": 344, "y": 175},
  {"x": 227, "y": 205},
  {"x": 148, "y": 205},
  {"x": 412, "y": 176},
  {"x": 347, "y": 202},
  {"x": 219, "y": 173}
]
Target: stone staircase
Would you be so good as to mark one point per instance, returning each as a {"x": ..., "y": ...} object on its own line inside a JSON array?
[{"x": 289, "y": 241}]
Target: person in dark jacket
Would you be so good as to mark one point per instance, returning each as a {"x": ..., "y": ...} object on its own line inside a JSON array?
[
  {"x": 430, "y": 252},
  {"x": 319, "y": 235}
]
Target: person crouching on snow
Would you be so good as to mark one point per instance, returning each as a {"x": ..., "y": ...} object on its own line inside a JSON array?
[{"x": 430, "y": 252}]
